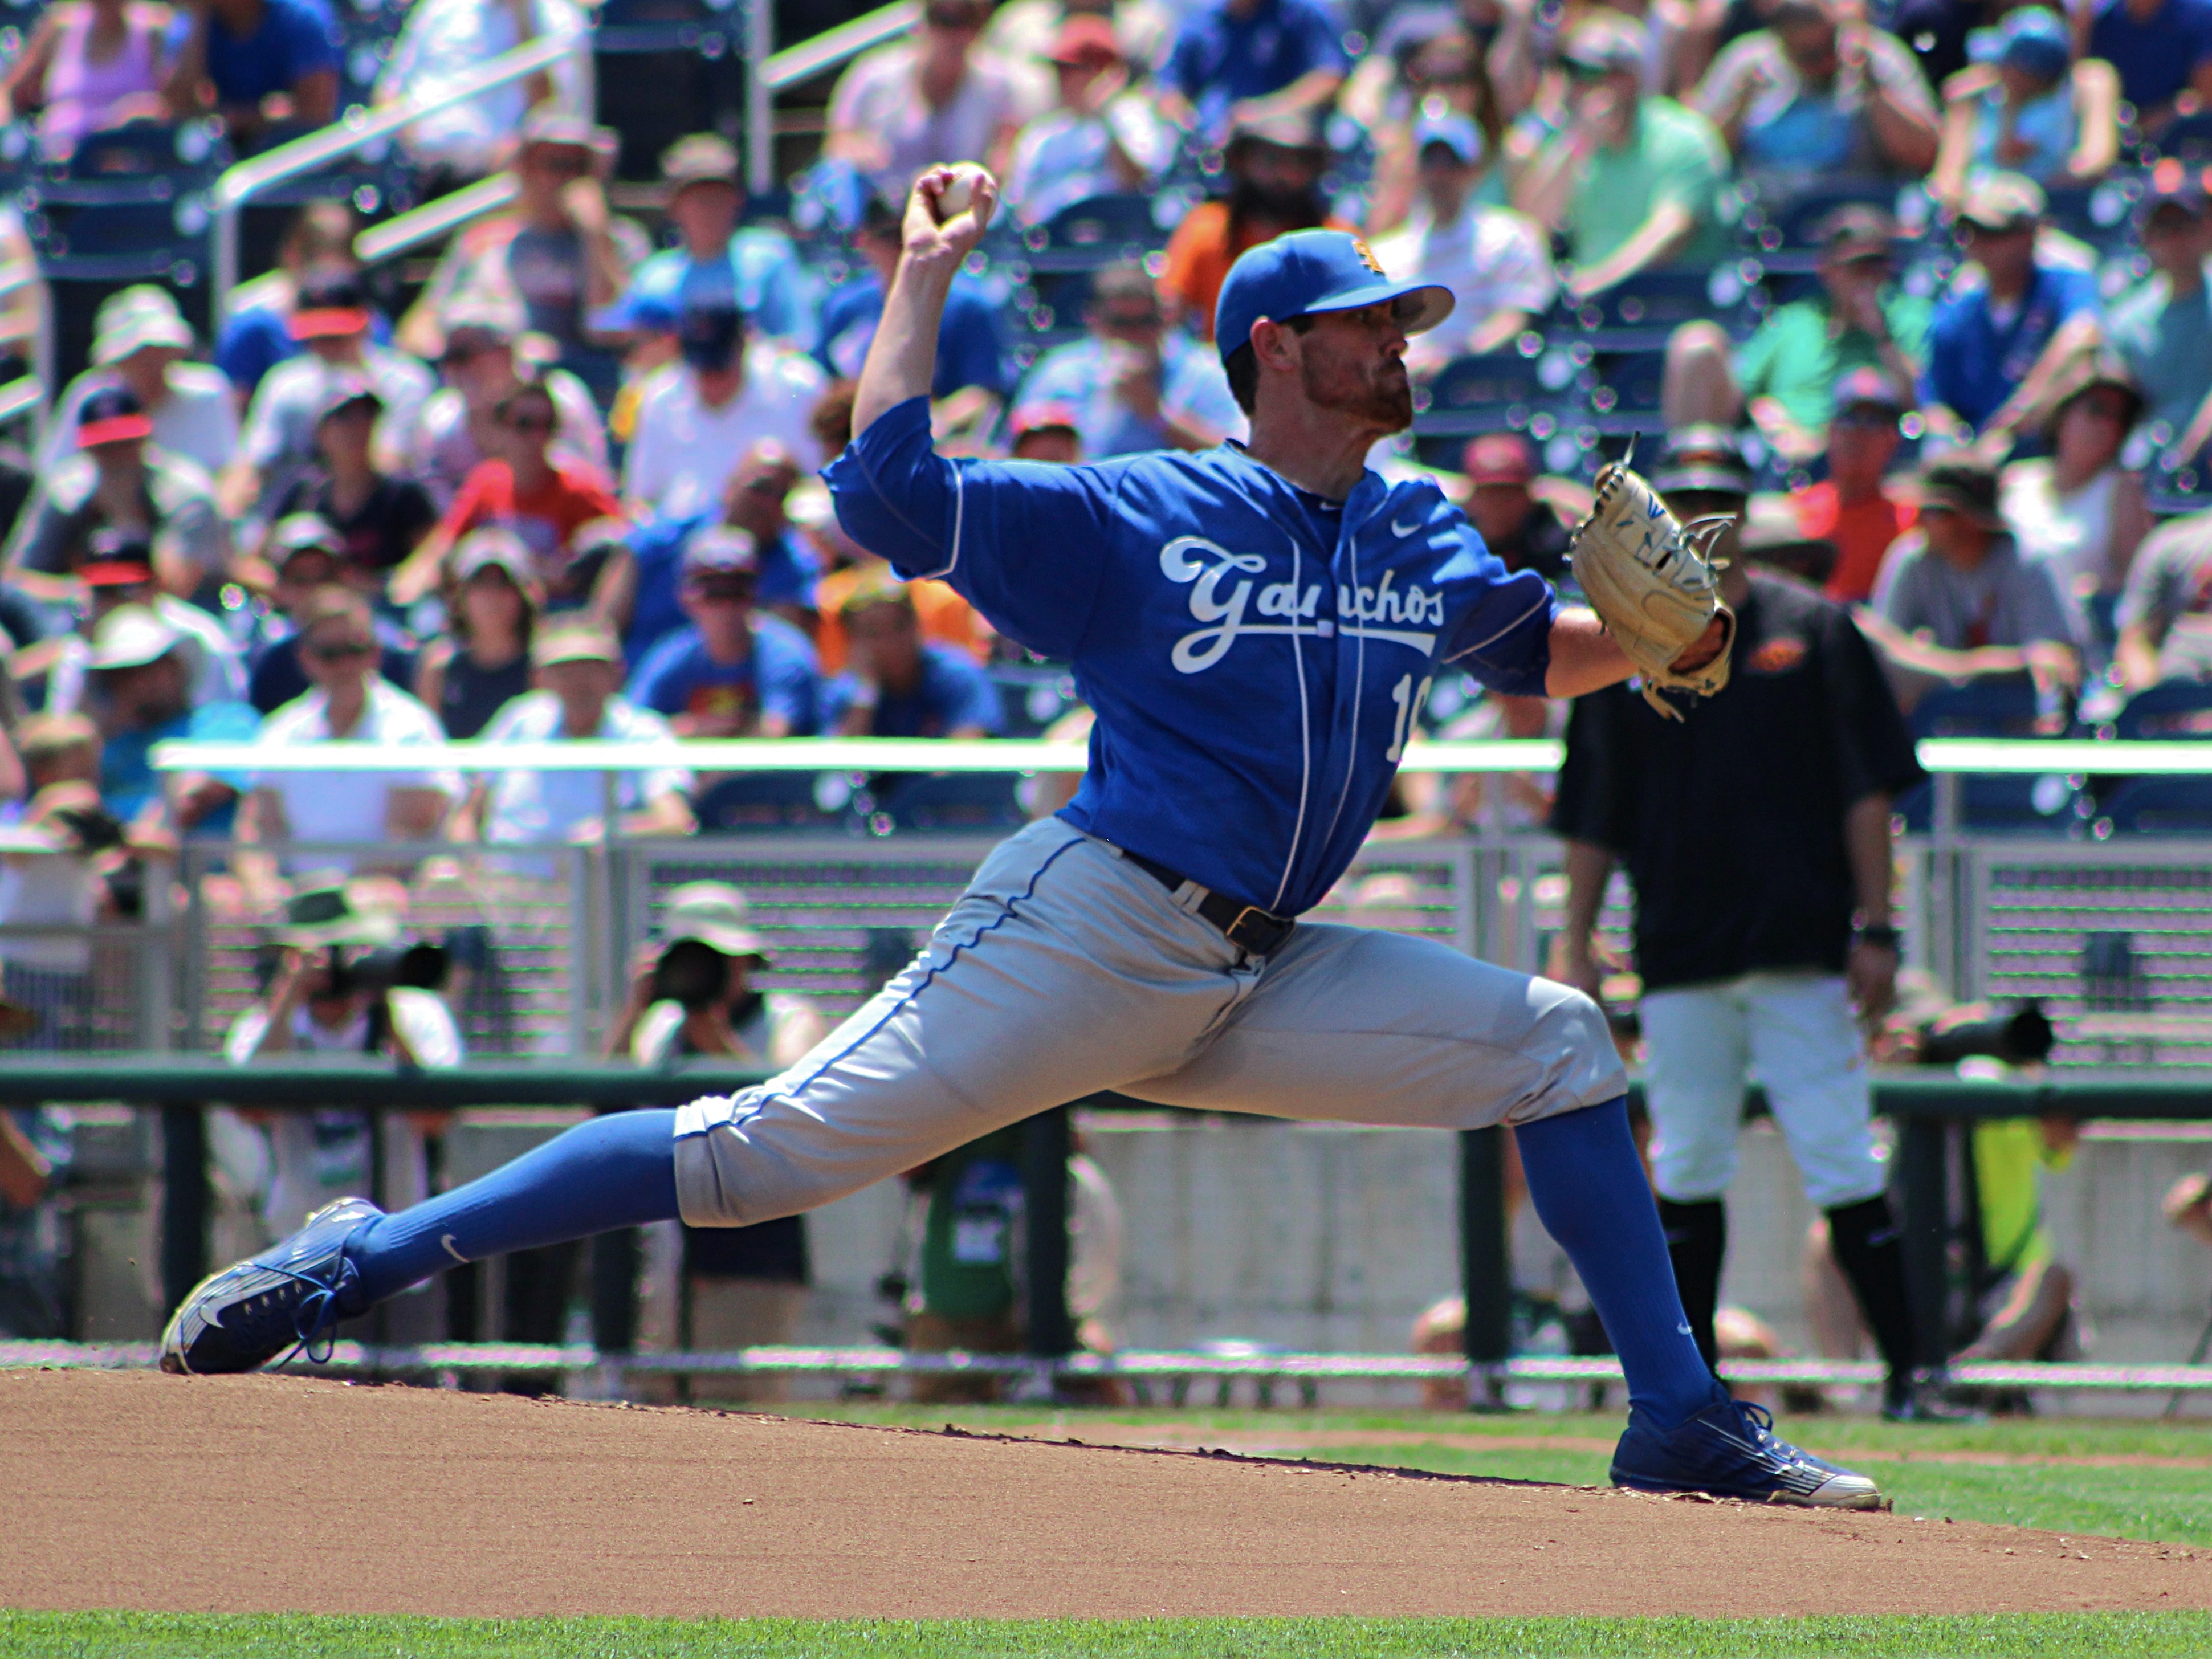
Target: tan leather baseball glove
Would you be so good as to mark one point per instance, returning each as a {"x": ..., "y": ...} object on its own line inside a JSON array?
[{"x": 1651, "y": 582}]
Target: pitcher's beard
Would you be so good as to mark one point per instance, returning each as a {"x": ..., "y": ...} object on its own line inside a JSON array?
[{"x": 1386, "y": 403}]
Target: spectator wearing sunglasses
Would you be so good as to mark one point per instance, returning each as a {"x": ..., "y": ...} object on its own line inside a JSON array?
[
  {"x": 732, "y": 672},
  {"x": 304, "y": 557},
  {"x": 933, "y": 98},
  {"x": 729, "y": 392},
  {"x": 488, "y": 353},
  {"x": 349, "y": 700},
  {"x": 1787, "y": 372},
  {"x": 527, "y": 489}
]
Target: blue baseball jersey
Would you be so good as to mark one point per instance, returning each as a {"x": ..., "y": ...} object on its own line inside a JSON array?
[{"x": 1256, "y": 657}]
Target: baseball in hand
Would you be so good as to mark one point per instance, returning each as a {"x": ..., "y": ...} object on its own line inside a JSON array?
[{"x": 959, "y": 193}]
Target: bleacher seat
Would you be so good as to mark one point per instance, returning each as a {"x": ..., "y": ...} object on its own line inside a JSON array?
[
  {"x": 2003, "y": 803},
  {"x": 128, "y": 204},
  {"x": 1510, "y": 390},
  {"x": 947, "y": 800},
  {"x": 772, "y": 803},
  {"x": 1782, "y": 234},
  {"x": 2182, "y": 710},
  {"x": 2102, "y": 215},
  {"x": 1623, "y": 390},
  {"x": 1639, "y": 313},
  {"x": 1033, "y": 696}
]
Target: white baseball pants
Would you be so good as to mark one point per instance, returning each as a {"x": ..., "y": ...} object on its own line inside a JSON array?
[
  {"x": 1064, "y": 970},
  {"x": 1794, "y": 1034}
]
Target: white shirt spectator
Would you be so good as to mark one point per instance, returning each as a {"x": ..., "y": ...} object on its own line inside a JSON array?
[
  {"x": 547, "y": 807},
  {"x": 348, "y": 806},
  {"x": 1492, "y": 258},
  {"x": 446, "y": 39},
  {"x": 198, "y": 420},
  {"x": 682, "y": 451}
]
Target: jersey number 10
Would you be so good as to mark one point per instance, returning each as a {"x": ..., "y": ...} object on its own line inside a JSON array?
[{"x": 1409, "y": 699}]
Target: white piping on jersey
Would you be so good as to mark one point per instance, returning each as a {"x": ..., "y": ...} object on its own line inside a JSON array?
[
  {"x": 1508, "y": 629},
  {"x": 1305, "y": 740},
  {"x": 959, "y": 509},
  {"x": 1358, "y": 685}
]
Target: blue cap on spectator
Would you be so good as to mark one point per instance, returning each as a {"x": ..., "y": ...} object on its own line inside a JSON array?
[
  {"x": 2031, "y": 39},
  {"x": 1454, "y": 132},
  {"x": 1310, "y": 271}
]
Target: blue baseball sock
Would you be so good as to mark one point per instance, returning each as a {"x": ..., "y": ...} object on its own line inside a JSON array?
[
  {"x": 614, "y": 1171},
  {"x": 1589, "y": 1192}
]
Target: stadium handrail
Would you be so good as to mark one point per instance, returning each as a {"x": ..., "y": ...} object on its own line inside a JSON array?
[
  {"x": 2021, "y": 755},
  {"x": 768, "y": 72},
  {"x": 435, "y": 218},
  {"x": 359, "y": 127}
]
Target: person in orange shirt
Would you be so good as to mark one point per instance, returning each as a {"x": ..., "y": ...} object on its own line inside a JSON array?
[
  {"x": 1853, "y": 508},
  {"x": 945, "y": 617},
  {"x": 1274, "y": 187}
]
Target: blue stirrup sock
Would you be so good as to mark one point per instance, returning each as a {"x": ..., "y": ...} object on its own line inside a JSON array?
[
  {"x": 614, "y": 1171},
  {"x": 1590, "y": 1193}
]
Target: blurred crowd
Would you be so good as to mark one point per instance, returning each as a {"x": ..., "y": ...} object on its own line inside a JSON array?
[{"x": 569, "y": 491}]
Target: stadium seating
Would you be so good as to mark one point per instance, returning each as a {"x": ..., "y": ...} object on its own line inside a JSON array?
[
  {"x": 774, "y": 803},
  {"x": 2008, "y": 804},
  {"x": 2162, "y": 806}
]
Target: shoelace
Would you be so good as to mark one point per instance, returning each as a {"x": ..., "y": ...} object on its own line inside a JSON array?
[{"x": 323, "y": 1300}]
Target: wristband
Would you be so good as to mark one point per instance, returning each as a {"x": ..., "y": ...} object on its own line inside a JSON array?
[{"x": 1881, "y": 935}]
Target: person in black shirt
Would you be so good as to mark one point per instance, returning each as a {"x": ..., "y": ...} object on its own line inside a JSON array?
[
  {"x": 1516, "y": 525},
  {"x": 380, "y": 518},
  {"x": 1756, "y": 835},
  {"x": 485, "y": 662},
  {"x": 305, "y": 554}
]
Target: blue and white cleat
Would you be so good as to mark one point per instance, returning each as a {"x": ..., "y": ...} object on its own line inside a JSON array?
[
  {"x": 289, "y": 1297},
  {"x": 1730, "y": 1450}
]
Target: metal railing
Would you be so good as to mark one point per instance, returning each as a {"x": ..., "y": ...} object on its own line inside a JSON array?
[
  {"x": 432, "y": 219},
  {"x": 358, "y": 128},
  {"x": 769, "y": 72}
]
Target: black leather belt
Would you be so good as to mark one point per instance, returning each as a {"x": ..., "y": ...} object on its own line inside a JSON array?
[{"x": 1245, "y": 926}]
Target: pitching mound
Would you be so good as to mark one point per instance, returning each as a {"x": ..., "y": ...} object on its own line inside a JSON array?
[{"x": 274, "y": 1494}]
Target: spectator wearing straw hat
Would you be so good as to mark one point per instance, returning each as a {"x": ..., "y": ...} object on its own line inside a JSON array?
[
  {"x": 576, "y": 676},
  {"x": 756, "y": 268},
  {"x": 733, "y": 671},
  {"x": 119, "y": 480},
  {"x": 140, "y": 340},
  {"x": 331, "y": 320},
  {"x": 488, "y": 353},
  {"x": 691, "y": 992},
  {"x": 896, "y": 685},
  {"x": 118, "y": 572},
  {"x": 140, "y": 672}
]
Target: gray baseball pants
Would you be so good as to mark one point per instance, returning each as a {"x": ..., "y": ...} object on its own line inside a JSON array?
[{"x": 1065, "y": 969}]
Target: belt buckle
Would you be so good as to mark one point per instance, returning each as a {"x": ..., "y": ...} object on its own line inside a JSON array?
[{"x": 1267, "y": 931}]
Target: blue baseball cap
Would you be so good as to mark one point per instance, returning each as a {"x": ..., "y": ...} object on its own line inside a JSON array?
[{"x": 1310, "y": 271}]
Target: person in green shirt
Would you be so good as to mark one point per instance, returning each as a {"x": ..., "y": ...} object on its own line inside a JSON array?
[
  {"x": 1786, "y": 372},
  {"x": 1631, "y": 180},
  {"x": 2029, "y": 1292}
]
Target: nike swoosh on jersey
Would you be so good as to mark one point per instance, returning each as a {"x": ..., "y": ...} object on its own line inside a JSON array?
[{"x": 1397, "y": 529}]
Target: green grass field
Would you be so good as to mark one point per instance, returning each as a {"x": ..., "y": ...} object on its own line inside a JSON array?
[{"x": 2066, "y": 1475}]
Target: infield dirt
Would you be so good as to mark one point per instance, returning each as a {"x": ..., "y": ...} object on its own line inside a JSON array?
[{"x": 280, "y": 1494}]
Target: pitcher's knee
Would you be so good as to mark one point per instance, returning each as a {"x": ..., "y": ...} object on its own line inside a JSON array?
[{"x": 1575, "y": 1037}]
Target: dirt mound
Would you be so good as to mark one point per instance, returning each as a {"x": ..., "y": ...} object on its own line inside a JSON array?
[{"x": 271, "y": 1494}]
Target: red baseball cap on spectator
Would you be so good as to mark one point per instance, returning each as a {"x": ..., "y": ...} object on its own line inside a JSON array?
[
  {"x": 1498, "y": 457},
  {"x": 332, "y": 303},
  {"x": 1044, "y": 417},
  {"x": 112, "y": 414},
  {"x": 115, "y": 560},
  {"x": 1085, "y": 39}
]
